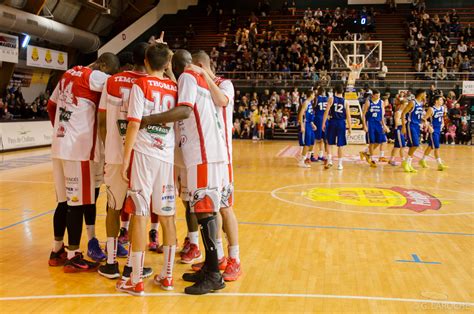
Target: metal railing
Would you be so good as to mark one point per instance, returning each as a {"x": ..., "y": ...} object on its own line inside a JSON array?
[{"x": 396, "y": 80}]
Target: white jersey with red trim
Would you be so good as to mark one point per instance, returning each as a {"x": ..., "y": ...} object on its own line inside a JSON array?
[
  {"x": 226, "y": 113},
  {"x": 202, "y": 136},
  {"x": 114, "y": 101},
  {"x": 75, "y": 129},
  {"x": 152, "y": 95}
]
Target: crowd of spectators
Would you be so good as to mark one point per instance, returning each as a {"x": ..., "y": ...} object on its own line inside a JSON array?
[
  {"x": 259, "y": 47},
  {"x": 258, "y": 115},
  {"x": 439, "y": 45},
  {"x": 14, "y": 107}
]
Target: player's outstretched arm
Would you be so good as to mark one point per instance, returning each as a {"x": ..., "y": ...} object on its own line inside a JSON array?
[
  {"x": 326, "y": 112},
  {"x": 173, "y": 115},
  {"x": 218, "y": 97},
  {"x": 364, "y": 112},
  {"x": 407, "y": 109},
  {"x": 348, "y": 117},
  {"x": 130, "y": 137}
]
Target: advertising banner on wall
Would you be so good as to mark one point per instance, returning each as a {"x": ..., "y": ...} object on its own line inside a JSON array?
[
  {"x": 8, "y": 48},
  {"x": 468, "y": 88},
  {"x": 14, "y": 135},
  {"x": 46, "y": 58}
]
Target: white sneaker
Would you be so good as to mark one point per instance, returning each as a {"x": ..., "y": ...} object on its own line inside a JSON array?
[
  {"x": 340, "y": 167},
  {"x": 302, "y": 164}
]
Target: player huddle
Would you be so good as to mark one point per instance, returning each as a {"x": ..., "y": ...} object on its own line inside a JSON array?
[
  {"x": 324, "y": 120},
  {"x": 159, "y": 137}
]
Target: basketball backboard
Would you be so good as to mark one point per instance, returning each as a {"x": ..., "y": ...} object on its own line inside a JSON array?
[{"x": 365, "y": 53}]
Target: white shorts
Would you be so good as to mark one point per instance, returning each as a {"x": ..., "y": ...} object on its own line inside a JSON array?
[
  {"x": 151, "y": 183},
  {"x": 205, "y": 187},
  {"x": 73, "y": 181},
  {"x": 181, "y": 179},
  {"x": 227, "y": 198},
  {"x": 116, "y": 186}
]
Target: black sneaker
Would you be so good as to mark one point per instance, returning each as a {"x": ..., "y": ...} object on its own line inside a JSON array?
[
  {"x": 211, "y": 282},
  {"x": 194, "y": 277},
  {"x": 153, "y": 242},
  {"x": 127, "y": 270},
  {"x": 79, "y": 264},
  {"x": 110, "y": 271}
]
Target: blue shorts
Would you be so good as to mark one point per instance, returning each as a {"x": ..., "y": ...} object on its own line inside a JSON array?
[
  {"x": 336, "y": 132},
  {"x": 434, "y": 140},
  {"x": 319, "y": 133},
  {"x": 399, "y": 139},
  {"x": 375, "y": 133},
  {"x": 306, "y": 138},
  {"x": 413, "y": 135}
]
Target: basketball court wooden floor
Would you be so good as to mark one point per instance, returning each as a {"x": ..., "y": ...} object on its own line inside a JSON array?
[{"x": 357, "y": 240}]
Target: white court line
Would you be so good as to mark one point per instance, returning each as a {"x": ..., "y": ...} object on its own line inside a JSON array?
[
  {"x": 300, "y": 193},
  {"x": 230, "y": 294}
]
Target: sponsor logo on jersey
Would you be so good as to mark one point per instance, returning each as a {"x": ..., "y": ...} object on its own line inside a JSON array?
[
  {"x": 167, "y": 188},
  {"x": 167, "y": 209},
  {"x": 167, "y": 198},
  {"x": 122, "y": 127},
  {"x": 64, "y": 115},
  {"x": 394, "y": 197}
]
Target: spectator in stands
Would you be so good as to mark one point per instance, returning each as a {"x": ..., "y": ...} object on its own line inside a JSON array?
[
  {"x": 383, "y": 71},
  {"x": 292, "y": 8},
  {"x": 455, "y": 115},
  {"x": 190, "y": 32},
  {"x": 451, "y": 133},
  {"x": 465, "y": 68}
]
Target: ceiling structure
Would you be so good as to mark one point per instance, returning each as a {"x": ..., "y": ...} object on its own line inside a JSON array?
[{"x": 104, "y": 18}]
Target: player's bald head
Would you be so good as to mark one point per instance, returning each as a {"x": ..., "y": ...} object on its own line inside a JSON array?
[
  {"x": 181, "y": 59},
  {"x": 201, "y": 58},
  {"x": 108, "y": 63}
]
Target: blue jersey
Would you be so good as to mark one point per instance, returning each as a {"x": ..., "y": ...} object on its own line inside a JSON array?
[
  {"x": 309, "y": 113},
  {"x": 321, "y": 104},
  {"x": 338, "y": 109},
  {"x": 437, "y": 118},
  {"x": 374, "y": 112},
  {"x": 414, "y": 116}
]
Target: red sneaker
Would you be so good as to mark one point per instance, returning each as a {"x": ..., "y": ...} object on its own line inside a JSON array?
[
  {"x": 166, "y": 283},
  {"x": 307, "y": 161},
  {"x": 222, "y": 265},
  {"x": 58, "y": 258},
  {"x": 127, "y": 286},
  {"x": 186, "y": 245},
  {"x": 192, "y": 255},
  {"x": 232, "y": 271}
]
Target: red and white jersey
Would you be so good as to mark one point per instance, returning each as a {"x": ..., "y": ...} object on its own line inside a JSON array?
[
  {"x": 151, "y": 95},
  {"x": 75, "y": 125},
  {"x": 202, "y": 136},
  {"x": 226, "y": 113},
  {"x": 114, "y": 101}
]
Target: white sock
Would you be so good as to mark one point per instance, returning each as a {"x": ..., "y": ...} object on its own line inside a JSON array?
[
  {"x": 330, "y": 158},
  {"x": 137, "y": 266},
  {"x": 234, "y": 252},
  {"x": 154, "y": 226},
  {"x": 71, "y": 253},
  {"x": 168, "y": 254},
  {"x": 439, "y": 161},
  {"x": 57, "y": 245},
  {"x": 129, "y": 258},
  {"x": 321, "y": 153},
  {"x": 366, "y": 150},
  {"x": 382, "y": 153},
  {"x": 423, "y": 158},
  {"x": 340, "y": 161},
  {"x": 111, "y": 250},
  {"x": 308, "y": 155},
  {"x": 90, "y": 232},
  {"x": 372, "y": 158},
  {"x": 409, "y": 159},
  {"x": 125, "y": 224},
  {"x": 220, "y": 249},
  {"x": 194, "y": 238}
]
